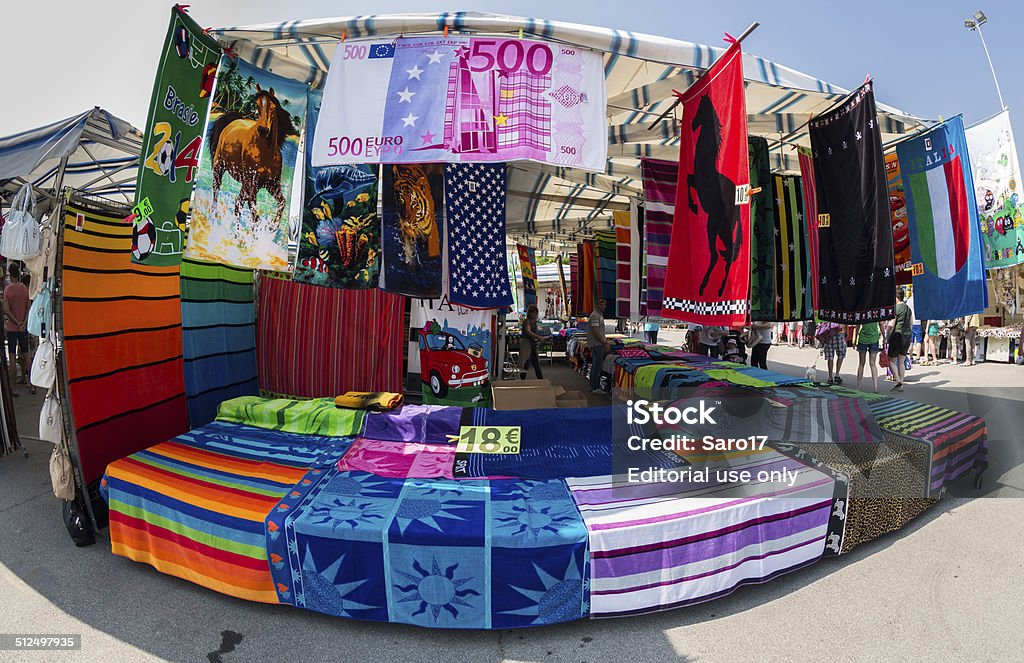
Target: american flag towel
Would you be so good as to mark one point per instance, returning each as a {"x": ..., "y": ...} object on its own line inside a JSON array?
[
  {"x": 660, "y": 182},
  {"x": 474, "y": 196}
]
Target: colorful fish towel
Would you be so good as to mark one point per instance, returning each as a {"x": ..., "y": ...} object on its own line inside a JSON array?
[
  {"x": 707, "y": 279},
  {"x": 339, "y": 241},
  {"x": 243, "y": 190},
  {"x": 412, "y": 229},
  {"x": 855, "y": 258},
  {"x": 475, "y": 204},
  {"x": 945, "y": 237},
  {"x": 173, "y": 140}
]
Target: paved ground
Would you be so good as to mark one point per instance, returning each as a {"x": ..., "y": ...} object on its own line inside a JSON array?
[{"x": 946, "y": 588}]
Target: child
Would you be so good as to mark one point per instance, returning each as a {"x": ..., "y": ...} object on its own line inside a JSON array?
[{"x": 732, "y": 352}]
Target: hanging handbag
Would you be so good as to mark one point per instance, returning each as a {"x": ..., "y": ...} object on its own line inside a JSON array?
[
  {"x": 20, "y": 238},
  {"x": 41, "y": 313},
  {"x": 42, "y": 265},
  {"x": 62, "y": 473},
  {"x": 51, "y": 429},
  {"x": 51, "y": 420},
  {"x": 44, "y": 369}
]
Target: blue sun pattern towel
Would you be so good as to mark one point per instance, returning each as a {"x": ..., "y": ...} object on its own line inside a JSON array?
[{"x": 436, "y": 553}]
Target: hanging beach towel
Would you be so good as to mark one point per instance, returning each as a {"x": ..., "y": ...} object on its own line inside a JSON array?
[{"x": 20, "y": 239}]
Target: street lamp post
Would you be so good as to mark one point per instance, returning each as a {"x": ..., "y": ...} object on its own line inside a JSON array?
[{"x": 974, "y": 25}]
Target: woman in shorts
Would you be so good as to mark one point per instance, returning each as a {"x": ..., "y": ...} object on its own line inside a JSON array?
[
  {"x": 931, "y": 343},
  {"x": 867, "y": 344},
  {"x": 916, "y": 350},
  {"x": 833, "y": 346},
  {"x": 899, "y": 339},
  {"x": 971, "y": 325}
]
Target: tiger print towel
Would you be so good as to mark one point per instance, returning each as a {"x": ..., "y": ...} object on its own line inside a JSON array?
[{"x": 411, "y": 234}]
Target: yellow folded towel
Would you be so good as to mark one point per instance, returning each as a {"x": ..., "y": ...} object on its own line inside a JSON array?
[{"x": 378, "y": 401}]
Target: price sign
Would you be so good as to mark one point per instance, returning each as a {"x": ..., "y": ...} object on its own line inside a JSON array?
[
  {"x": 743, "y": 194},
  {"x": 143, "y": 209},
  {"x": 488, "y": 440},
  {"x": 917, "y": 269}
]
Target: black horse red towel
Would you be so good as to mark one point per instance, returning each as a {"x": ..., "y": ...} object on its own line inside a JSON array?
[
  {"x": 707, "y": 280},
  {"x": 856, "y": 277}
]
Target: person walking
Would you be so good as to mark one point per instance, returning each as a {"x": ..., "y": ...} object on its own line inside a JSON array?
[
  {"x": 917, "y": 347},
  {"x": 931, "y": 343},
  {"x": 808, "y": 335},
  {"x": 956, "y": 337},
  {"x": 16, "y": 306},
  {"x": 833, "y": 345},
  {"x": 710, "y": 338},
  {"x": 759, "y": 353},
  {"x": 530, "y": 342},
  {"x": 792, "y": 333},
  {"x": 898, "y": 333},
  {"x": 598, "y": 344},
  {"x": 971, "y": 325},
  {"x": 651, "y": 332},
  {"x": 867, "y": 347}
]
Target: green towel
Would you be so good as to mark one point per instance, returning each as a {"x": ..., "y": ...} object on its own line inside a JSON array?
[
  {"x": 318, "y": 416},
  {"x": 735, "y": 377}
]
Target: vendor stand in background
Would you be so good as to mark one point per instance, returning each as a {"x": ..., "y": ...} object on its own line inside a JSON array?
[{"x": 94, "y": 152}]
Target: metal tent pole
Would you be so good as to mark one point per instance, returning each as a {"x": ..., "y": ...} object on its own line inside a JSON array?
[{"x": 668, "y": 111}]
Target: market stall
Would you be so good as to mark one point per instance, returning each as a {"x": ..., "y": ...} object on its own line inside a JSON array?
[{"x": 254, "y": 431}]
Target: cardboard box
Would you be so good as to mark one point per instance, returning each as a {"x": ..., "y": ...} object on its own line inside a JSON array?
[
  {"x": 522, "y": 383},
  {"x": 559, "y": 389},
  {"x": 572, "y": 399},
  {"x": 529, "y": 397}
]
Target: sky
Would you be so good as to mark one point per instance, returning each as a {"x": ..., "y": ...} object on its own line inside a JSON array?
[{"x": 65, "y": 56}]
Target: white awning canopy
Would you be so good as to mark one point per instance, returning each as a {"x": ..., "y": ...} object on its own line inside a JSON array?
[{"x": 94, "y": 152}]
